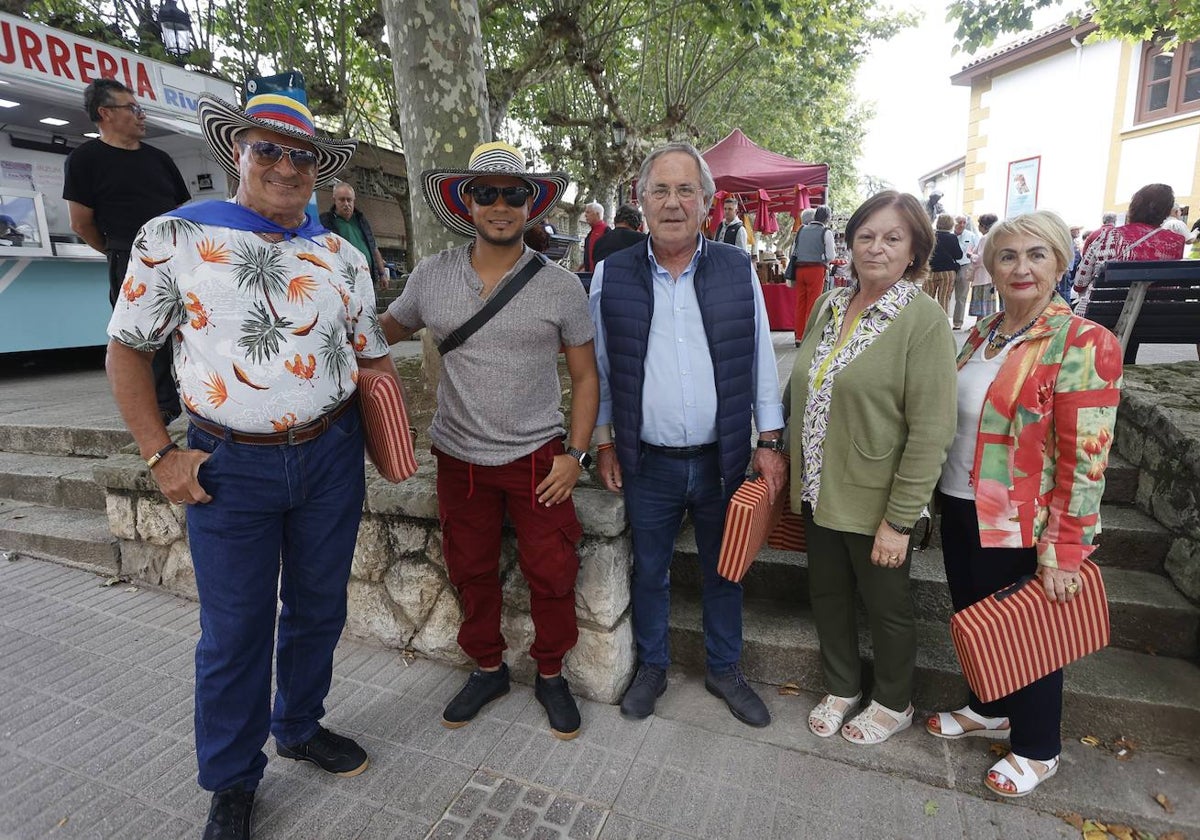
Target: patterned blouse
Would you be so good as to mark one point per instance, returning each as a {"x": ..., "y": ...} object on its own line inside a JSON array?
[
  {"x": 829, "y": 359},
  {"x": 265, "y": 334}
]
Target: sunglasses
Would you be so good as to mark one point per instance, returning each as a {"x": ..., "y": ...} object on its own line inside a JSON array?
[
  {"x": 266, "y": 153},
  {"x": 485, "y": 195},
  {"x": 134, "y": 108}
]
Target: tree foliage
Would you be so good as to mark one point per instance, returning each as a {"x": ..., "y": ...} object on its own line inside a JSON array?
[{"x": 980, "y": 22}]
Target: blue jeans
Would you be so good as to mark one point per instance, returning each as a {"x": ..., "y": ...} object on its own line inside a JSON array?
[
  {"x": 656, "y": 499},
  {"x": 275, "y": 509}
]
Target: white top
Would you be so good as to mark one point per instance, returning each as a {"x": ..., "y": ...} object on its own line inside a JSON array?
[{"x": 974, "y": 379}]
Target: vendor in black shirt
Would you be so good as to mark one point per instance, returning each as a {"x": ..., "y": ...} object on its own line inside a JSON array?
[{"x": 115, "y": 185}]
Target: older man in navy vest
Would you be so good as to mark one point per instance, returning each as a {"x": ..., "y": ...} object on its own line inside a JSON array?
[{"x": 685, "y": 359}]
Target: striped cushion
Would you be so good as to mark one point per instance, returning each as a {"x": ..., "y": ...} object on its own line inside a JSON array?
[
  {"x": 1018, "y": 635},
  {"x": 385, "y": 423},
  {"x": 750, "y": 521}
]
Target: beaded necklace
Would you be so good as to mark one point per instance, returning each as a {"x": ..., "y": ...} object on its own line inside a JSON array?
[{"x": 997, "y": 340}]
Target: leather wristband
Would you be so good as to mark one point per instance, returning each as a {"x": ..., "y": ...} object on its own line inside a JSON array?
[
  {"x": 158, "y": 456},
  {"x": 899, "y": 529}
]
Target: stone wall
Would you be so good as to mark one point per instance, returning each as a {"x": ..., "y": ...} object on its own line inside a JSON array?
[
  {"x": 399, "y": 593},
  {"x": 1158, "y": 431}
]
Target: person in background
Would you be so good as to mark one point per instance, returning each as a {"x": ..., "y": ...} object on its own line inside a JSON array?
[
  {"x": 626, "y": 231},
  {"x": 871, "y": 402},
  {"x": 967, "y": 240},
  {"x": 732, "y": 231},
  {"x": 344, "y": 219},
  {"x": 685, "y": 358},
  {"x": 1107, "y": 222},
  {"x": 983, "y": 293},
  {"x": 812, "y": 252},
  {"x": 1175, "y": 222},
  {"x": 1020, "y": 493},
  {"x": 113, "y": 186},
  {"x": 943, "y": 264},
  {"x": 1140, "y": 238},
  {"x": 498, "y": 433},
  {"x": 273, "y": 475},
  {"x": 593, "y": 214}
]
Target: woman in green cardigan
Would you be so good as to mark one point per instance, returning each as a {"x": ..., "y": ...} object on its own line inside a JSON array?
[{"x": 872, "y": 415}]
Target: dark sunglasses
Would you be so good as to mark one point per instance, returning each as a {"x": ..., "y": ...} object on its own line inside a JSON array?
[
  {"x": 485, "y": 195},
  {"x": 266, "y": 153}
]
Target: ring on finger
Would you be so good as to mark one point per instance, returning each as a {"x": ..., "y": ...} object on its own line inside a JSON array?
[{"x": 1072, "y": 587}]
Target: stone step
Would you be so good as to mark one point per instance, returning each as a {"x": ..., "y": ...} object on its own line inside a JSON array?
[
  {"x": 77, "y": 537},
  {"x": 1153, "y": 700},
  {"x": 96, "y": 442},
  {"x": 1148, "y": 613},
  {"x": 1120, "y": 481},
  {"x": 54, "y": 480}
]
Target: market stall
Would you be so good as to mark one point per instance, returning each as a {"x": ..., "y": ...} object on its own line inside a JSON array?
[
  {"x": 765, "y": 183},
  {"x": 53, "y": 287}
]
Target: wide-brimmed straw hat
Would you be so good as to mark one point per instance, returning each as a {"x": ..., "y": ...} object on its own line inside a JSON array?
[
  {"x": 220, "y": 122},
  {"x": 443, "y": 188}
]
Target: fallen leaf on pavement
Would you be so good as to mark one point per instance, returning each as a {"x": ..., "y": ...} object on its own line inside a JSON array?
[
  {"x": 61, "y": 822},
  {"x": 1121, "y": 832},
  {"x": 1072, "y": 819},
  {"x": 1093, "y": 830},
  {"x": 113, "y": 581},
  {"x": 931, "y": 808},
  {"x": 131, "y": 589},
  {"x": 998, "y": 749},
  {"x": 1162, "y": 800},
  {"x": 789, "y": 689},
  {"x": 1124, "y": 749},
  {"x": 1091, "y": 741},
  {"x": 1172, "y": 835}
]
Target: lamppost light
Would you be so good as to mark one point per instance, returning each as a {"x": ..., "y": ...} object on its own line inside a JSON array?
[
  {"x": 176, "y": 26},
  {"x": 618, "y": 133}
]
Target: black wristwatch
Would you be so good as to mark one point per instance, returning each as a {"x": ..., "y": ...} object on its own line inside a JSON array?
[
  {"x": 584, "y": 459},
  {"x": 779, "y": 445},
  {"x": 899, "y": 529}
]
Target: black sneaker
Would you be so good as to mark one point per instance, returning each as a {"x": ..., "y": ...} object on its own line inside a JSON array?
[
  {"x": 731, "y": 686},
  {"x": 555, "y": 696},
  {"x": 643, "y": 693},
  {"x": 229, "y": 815},
  {"x": 331, "y": 752},
  {"x": 482, "y": 688}
]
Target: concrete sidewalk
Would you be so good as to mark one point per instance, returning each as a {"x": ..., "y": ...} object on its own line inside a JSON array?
[{"x": 96, "y": 742}]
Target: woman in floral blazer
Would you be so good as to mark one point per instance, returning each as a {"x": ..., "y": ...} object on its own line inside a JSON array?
[{"x": 1038, "y": 389}]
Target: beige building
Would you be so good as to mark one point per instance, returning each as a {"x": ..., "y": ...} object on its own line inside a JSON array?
[{"x": 380, "y": 180}]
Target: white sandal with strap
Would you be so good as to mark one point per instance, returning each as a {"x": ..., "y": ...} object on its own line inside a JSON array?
[
  {"x": 1019, "y": 773},
  {"x": 871, "y": 730},
  {"x": 947, "y": 725},
  {"x": 829, "y": 716}
]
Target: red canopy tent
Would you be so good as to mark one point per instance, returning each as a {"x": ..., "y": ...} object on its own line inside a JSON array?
[{"x": 756, "y": 175}]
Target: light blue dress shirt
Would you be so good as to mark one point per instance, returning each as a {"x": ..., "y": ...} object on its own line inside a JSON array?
[{"x": 679, "y": 395}]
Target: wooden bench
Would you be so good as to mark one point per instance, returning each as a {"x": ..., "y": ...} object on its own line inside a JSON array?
[{"x": 1148, "y": 302}]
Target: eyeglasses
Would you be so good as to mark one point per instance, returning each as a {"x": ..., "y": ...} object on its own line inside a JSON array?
[
  {"x": 266, "y": 153},
  {"x": 684, "y": 192},
  {"x": 134, "y": 108},
  {"x": 485, "y": 195}
]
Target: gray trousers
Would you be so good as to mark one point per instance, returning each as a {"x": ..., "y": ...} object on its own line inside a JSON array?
[{"x": 962, "y": 291}]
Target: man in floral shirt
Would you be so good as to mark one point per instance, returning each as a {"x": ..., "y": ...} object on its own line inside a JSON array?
[{"x": 270, "y": 317}]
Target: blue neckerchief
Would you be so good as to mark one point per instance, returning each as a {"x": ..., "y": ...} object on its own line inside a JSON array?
[{"x": 231, "y": 215}]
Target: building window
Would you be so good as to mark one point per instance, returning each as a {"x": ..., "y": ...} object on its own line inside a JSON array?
[{"x": 1170, "y": 82}]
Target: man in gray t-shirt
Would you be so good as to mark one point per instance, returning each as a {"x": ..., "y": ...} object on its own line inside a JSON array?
[{"x": 498, "y": 429}]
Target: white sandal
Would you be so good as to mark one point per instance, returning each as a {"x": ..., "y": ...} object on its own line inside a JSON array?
[
  {"x": 946, "y": 725},
  {"x": 871, "y": 730},
  {"x": 830, "y": 717},
  {"x": 1019, "y": 773}
]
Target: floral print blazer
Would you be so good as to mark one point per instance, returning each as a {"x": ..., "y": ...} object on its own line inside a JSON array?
[{"x": 1044, "y": 435}]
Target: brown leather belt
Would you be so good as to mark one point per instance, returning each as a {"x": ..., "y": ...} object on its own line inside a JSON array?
[{"x": 293, "y": 436}]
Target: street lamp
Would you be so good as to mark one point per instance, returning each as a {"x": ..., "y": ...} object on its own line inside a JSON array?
[
  {"x": 618, "y": 134},
  {"x": 176, "y": 26}
]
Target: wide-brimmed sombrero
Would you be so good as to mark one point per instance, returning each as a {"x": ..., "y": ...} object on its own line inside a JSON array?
[
  {"x": 220, "y": 122},
  {"x": 443, "y": 187}
]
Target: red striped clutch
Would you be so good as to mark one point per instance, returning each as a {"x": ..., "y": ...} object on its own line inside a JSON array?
[
  {"x": 385, "y": 425},
  {"x": 1018, "y": 635},
  {"x": 750, "y": 521}
]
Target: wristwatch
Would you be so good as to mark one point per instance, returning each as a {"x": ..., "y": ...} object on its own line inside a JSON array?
[
  {"x": 584, "y": 459},
  {"x": 899, "y": 529},
  {"x": 778, "y": 444}
]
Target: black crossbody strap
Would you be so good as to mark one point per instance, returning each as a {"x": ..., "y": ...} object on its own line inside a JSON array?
[{"x": 494, "y": 305}]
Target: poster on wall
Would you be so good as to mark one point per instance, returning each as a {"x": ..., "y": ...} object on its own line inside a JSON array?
[{"x": 1022, "y": 186}]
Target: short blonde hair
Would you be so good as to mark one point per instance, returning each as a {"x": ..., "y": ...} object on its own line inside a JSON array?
[{"x": 1042, "y": 225}]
